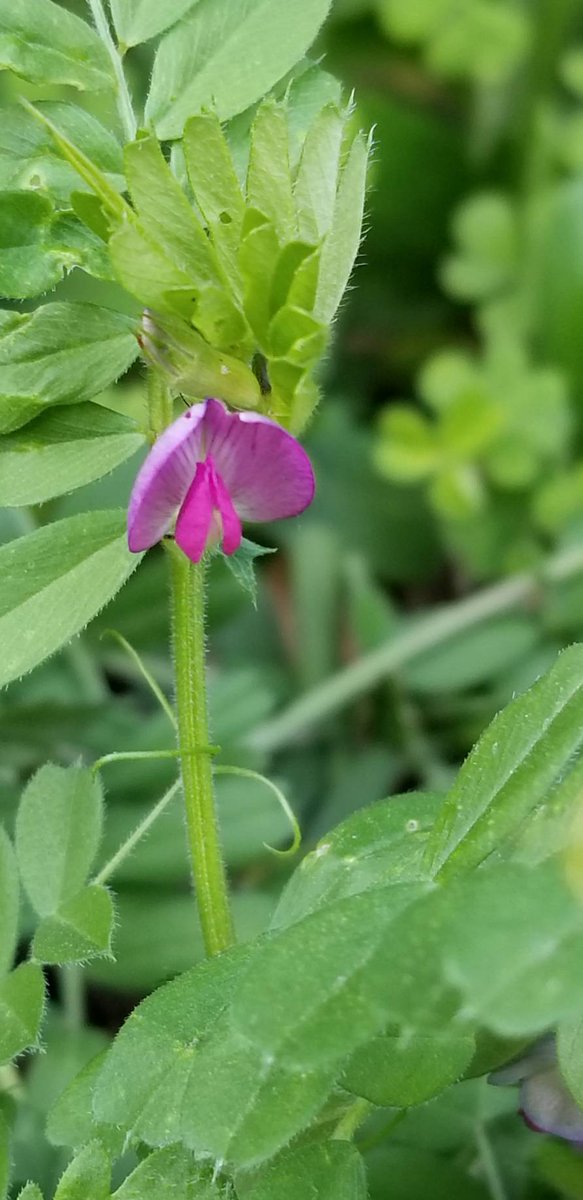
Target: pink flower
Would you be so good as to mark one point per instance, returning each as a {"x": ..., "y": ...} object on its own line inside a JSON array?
[
  {"x": 546, "y": 1103},
  {"x": 212, "y": 469}
]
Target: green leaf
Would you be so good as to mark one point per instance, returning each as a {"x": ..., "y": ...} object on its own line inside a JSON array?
[
  {"x": 570, "y": 1054},
  {"x": 88, "y": 1176},
  {"x": 384, "y": 843},
  {"x": 399, "y": 1071},
  {"x": 269, "y": 183},
  {"x": 58, "y": 830},
  {"x": 227, "y": 57},
  {"x": 29, "y": 157},
  {"x": 341, "y": 246},
  {"x": 141, "y": 1087},
  {"x": 80, "y": 929},
  {"x": 71, "y": 1121},
  {"x": 168, "y": 1172},
  {"x": 9, "y": 902},
  {"x": 63, "y": 450},
  {"x": 475, "y": 656},
  {"x": 46, "y": 44},
  {"x": 29, "y": 263},
  {"x": 139, "y": 20},
  {"x": 520, "y": 761},
  {"x": 215, "y": 186},
  {"x": 317, "y": 179},
  {"x": 21, "y": 1008},
  {"x": 329, "y": 1171},
  {"x": 242, "y": 565},
  {"x": 30, "y": 1192},
  {"x": 55, "y": 581},
  {"x": 60, "y": 354}
]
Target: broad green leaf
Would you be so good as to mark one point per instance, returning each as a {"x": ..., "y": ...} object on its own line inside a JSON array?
[
  {"x": 30, "y": 159},
  {"x": 141, "y": 1087},
  {"x": 165, "y": 215},
  {"x": 168, "y": 1172},
  {"x": 55, "y": 581},
  {"x": 399, "y": 1071},
  {"x": 46, "y": 44},
  {"x": 62, "y": 450},
  {"x": 30, "y": 1192},
  {"x": 379, "y": 845},
  {"x": 9, "y": 902},
  {"x": 71, "y": 1122},
  {"x": 29, "y": 263},
  {"x": 242, "y": 565},
  {"x": 58, "y": 829},
  {"x": 227, "y": 57},
  {"x": 21, "y": 1008},
  {"x": 60, "y": 354},
  {"x": 87, "y": 1177},
  {"x": 215, "y": 186},
  {"x": 269, "y": 183},
  {"x": 514, "y": 948},
  {"x": 317, "y": 179},
  {"x": 341, "y": 246},
  {"x": 139, "y": 20},
  {"x": 79, "y": 929},
  {"x": 323, "y": 1171},
  {"x": 519, "y": 762}
]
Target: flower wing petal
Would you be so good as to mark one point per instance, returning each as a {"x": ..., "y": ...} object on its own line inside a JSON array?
[
  {"x": 196, "y": 515},
  {"x": 164, "y": 479},
  {"x": 267, "y": 473},
  {"x": 548, "y": 1106}
]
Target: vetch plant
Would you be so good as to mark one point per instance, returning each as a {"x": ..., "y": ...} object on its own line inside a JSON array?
[{"x": 428, "y": 938}]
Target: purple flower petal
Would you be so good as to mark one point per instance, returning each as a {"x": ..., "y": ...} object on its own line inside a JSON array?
[
  {"x": 548, "y": 1106},
  {"x": 164, "y": 479},
  {"x": 196, "y": 515},
  {"x": 267, "y": 473}
]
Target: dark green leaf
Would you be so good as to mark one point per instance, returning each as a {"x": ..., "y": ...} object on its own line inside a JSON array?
[
  {"x": 46, "y": 44},
  {"x": 58, "y": 829},
  {"x": 21, "y": 1008},
  {"x": 399, "y": 1071},
  {"x": 330, "y": 1171},
  {"x": 87, "y": 1177},
  {"x": 29, "y": 157},
  {"x": 79, "y": 929},
  {"x": 71, "y": 1121},
  {"x": 242, "y": 565},
  {"x": 168, "y": 1172},
  {"x": 9, "y": 902}
]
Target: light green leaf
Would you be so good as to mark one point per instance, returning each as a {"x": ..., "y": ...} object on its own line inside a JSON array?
[
  {"x": 227, "y": 57},
  {"x": 46, "y": 44},
  {"x": 570, "y": 1054},
  {"x": 139, "y": 20},
  {"x": 62, "y": 450},
  {"x": 382, "y": 844},
  {"x": 258, "y": 255},
  {"x": 71, "y": 1122},
  {"x": 60, "y": 354},
  {"x": 399, "y": 1071},
  {"x": 88, "y": 1176},
  {"x": 169, "y": 1172},
  {"x": 269, "y": 184},
  {"x": 215, "y": 186},
  {"x": 9, "y": 902},
  {"x": 58, "y": 830},
  {"x": 242, "y": 565},
  {"x": 329, "y": 1171},
  {"x": 30, "y": 1192},
  {"x": 341, "y": 246},
  {"x": 317, "y": 180},
  {"x": 21, "y": 1007},
  {"x": 30, "y": 159},
  {"x": 80, "y": 929},
  {"x": 141, "y": 1087},
  {"x": 29, "y": 263},
  {"x": 55, "y": 581},
  {"x": 522, "y": 758}
]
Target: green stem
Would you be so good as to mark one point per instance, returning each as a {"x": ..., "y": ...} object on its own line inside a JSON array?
[
  {"x": 188, "y": 605},
  {"x": 350, "y": 1122},
  {"x": 124, "y": 102},
  {"x": 489, "y": 1164},
  {"x": 345, "y": 686},
  {"x": 139, "y": 832},
  {"x": 73, "y": 996}
]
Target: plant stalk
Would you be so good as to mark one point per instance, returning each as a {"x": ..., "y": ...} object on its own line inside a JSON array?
[{"x": 188, "y": 607}]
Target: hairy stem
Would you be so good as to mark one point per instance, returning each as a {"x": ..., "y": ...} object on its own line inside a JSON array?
[
  {"x": 352, "y": 1120},
  {"x": 343, "y": 687},
  {"x": 123, "y": 98},
  {"x": 188, "y": 606}
]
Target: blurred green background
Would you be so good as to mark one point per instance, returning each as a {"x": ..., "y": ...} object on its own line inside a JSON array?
[{"x": 448, "y": 452}]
